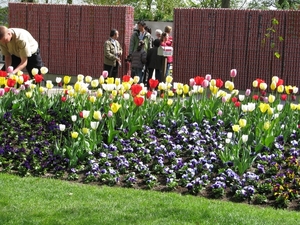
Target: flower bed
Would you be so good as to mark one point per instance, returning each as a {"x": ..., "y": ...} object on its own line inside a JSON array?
[{"x": 198, "y": 138}]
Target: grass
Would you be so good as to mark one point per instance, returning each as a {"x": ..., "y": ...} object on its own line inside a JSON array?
[{"x": 47, "y": 201}]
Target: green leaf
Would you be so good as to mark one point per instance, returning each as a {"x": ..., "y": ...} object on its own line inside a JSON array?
[
  {"x": 277, "y": 55},
  {"x": 269, "y": 140},
  {"x": 275, "y": 21},
  {"x": 280, "y": 38}
]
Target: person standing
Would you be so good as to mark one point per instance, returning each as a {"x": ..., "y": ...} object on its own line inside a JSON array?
[
  {"x": 140, "y": 35},
  {"x": 165, "y": 41},
  {"x": 20, "y": 50},
  {"x": 155, "y": 62},
  {"x": 138, "y": 61},
  {"x": 112, "y": 54}
]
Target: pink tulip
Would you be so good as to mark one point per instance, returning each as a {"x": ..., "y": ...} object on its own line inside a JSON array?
[
  {"x": 192, "y": 82},
  {"x": 205, "y": 83},
  {"x": 2, "y": 91},
  {"x": 110, "y": 114},
  {"x": 220, "y": 113},
  {"x": 10, "y": 69},
  {"x": 248, "y": 92},
  {"x": 105, "y": 73},
  {"x": 208, "y": 77},
  {"x": 233, "y": 73}
]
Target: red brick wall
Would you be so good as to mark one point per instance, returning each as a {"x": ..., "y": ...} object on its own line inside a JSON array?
[
  {"x": 71, "y": 37},
  {"x": 214, "y": 41}
]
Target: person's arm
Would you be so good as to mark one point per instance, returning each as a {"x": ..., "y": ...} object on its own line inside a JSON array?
[
  {"x": 8, "y": 61},
  {"x": 131, "y": 46},
  {"x": 22, "y": 65}
]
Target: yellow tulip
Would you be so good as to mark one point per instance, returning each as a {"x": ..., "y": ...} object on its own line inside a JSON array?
[
  {"x": 110, "y": 80},
  {"x": 2, "y": 81},
  {"x": 270, "y": 111},
  {"x": 34, "y": 71},
  {"x": 77, "y": 86},
  {"x": 41, "y": 89},
  {"x": 28, "y": 94},
  {"x": 288, "y": 89},
  {"x": 271, "y": 98},
  {"x": 169, "y": 79},
  {"x": 20, "y": 73},
  {"x": 263, "y": 86},
  {"x": 255, "y": 84},
  {"x": 44, "y": 70},
  {"x": 67, "y": 79},
  {"x": 213, "y": 82},
  {"x": 214, "y": 89},
  {"x": 170, "y": 93},
  {"x": 20, "y": 80},
  {"x": 293, "y": 106},
  {"x": 170, "y": 101},
  {"x": 101, "y": 80},
  {"x": 179, "y": 91},
  {"x": 88, "y": 79},
  {"x": 115, "y": 107},
  {"x": 84, "y": 90},
  {"x": 264, "y": 107},
  {"x": 74, "y": 134},
  {"x": 273, "y": 86},
  {"x": 114, "y": 93},
  {"x": 136, "y": 79},
  {"x": 32, "y": 86},
  {"x": 49, "y": 84},
  {"x": 201, "y": 89},
  {"x": 280, "y": 88},
  {"x": 117, "y": 81},
  {"x": 94, "y": 83},
  {"x": 85, "y": 130},
  {"x": 99, "y": 92},
  {"x": 80, "y": 77},
  {"x": 186, "y": 89},
  {"x": 92, "y": 99},
  {"x": 236, "y": 128},
  {"x": 97, "y": 115},
  {"x": 275, "y": 79},
  {"x": 267, "y": 125},
  {"x": 179, "y": 86},
  {"x": 242, "y": 122}
]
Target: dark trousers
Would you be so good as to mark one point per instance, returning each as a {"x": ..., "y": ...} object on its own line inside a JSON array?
[
  {"x": 112, "y": 70},
  {"x": 35, "y": 61}
]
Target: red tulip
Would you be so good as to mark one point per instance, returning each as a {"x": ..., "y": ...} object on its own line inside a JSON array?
[
  {"x": 63, "y": 98},
  {"x": 198, "y": 80},
  {"x": 280, "y": 82},
  {"x": 7, "y": 89},
  {"x": 81, "y": 114},
  {"x": 219, "y": 83},
  {"x": 138, "y": 100},
  {"x": 3, "y": 73},
  {"x": 38, "y": 78},
  {"x": 25, "y": 77},
  {"x": 126, "y": 78},
  {"x": 153, "y": 83},
  {"x": 234, "y": 99},
  {"x": 149, "y": 93},
  {"x": 11, "y": 82},
  {"x": 237, "y": 104},
  {"x": 294, "y": 97},
  {"x": 283, "y": 97},
  {"x": 255, "y": 97},
  {"x": 136, "y": 89}
]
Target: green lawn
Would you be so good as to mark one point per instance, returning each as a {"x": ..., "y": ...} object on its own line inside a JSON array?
[{"x": 46, "y": 201}]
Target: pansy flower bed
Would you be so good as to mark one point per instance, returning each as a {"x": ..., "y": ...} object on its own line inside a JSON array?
[{"x": 205, "y": 138}]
